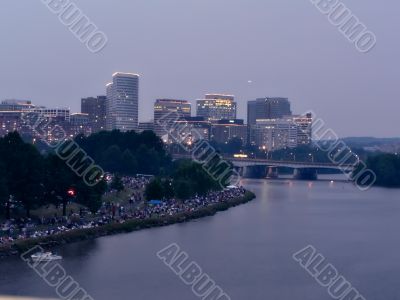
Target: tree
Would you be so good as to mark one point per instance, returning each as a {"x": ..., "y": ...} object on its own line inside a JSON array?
[
  {"x": 58, "y": 180},
  {"x": 154, "y": 190},
  {"x": 127, "y": 152},
  {"x": 129, "y": 162},
  {"x": 149, "y": 160},
  {"x": 386, "y": 168},
  {"x": 24, "y": 166},
  {"x": 112, "y": 160},
  {"x": 183, "y": 189},
  {"x": 117, "y": 183},
  {"x": 33, "y": 180},
  {"x": 190, "y": 178},
  {"x": 168, "y": 189},
  {"x": 90, "y": 196},
  {"x": 4, "y": 195}
]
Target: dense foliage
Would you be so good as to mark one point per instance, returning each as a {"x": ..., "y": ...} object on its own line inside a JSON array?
[
  {"x": 30, "y": 180},
  {"x": 386, "y": 168},
  {"x": 127, "y": 153},
  {"x": 188, "y": 179}
]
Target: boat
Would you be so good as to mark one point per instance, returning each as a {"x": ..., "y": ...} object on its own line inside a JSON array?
[
  {"x": 232, "y": 187},
  {"x": 45, "y": 257}
]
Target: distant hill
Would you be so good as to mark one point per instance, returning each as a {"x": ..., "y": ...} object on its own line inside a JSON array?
[
  {"x": 374, "y": 144},
  {"x": 370, "y": 141}
]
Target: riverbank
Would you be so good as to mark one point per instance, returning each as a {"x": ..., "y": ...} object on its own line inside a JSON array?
[{"x": 116, "y": 228}]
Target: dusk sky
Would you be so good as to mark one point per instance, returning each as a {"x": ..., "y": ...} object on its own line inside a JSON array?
[{"x": 186, "y": 48}]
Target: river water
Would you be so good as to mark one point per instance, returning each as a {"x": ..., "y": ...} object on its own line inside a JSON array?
[{"x": 247, "y": 250}]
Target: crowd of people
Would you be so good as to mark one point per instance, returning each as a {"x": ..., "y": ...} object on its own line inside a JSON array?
[
  {"x": 13, "y": 230},
  {"x": 174, "y": 206}
]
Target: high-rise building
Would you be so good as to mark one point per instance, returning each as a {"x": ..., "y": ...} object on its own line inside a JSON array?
[
  {"x": 278, "y": 107},
  {"x": 11, "y": 115},
  {"x": 59, "y": 114},
  {"x": 225, "y": 130},
  {"x": 217, "y": 107},
  {"x": 274, "y": 134},
  {"x": 95, "y": 108},
  {"x": 10, "y": 121},
  {"x": 304, "y": 128},
  {"x": 146, "y": 126},
  {"x": 58, "y": 120},
  {"x": 168, "y": 111},
  {"x": 109, "y": 109},
  {"x": 16, "y": 105},
  {"x": 257, "y": 109},
  {"x": 80, "y": 123},
  {"x": 190, "y": 130},
  {"x": 122, "y": 109},
  {"x": 267, "y": 108}
]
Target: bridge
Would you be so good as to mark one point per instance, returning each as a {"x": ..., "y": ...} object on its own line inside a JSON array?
[
  {"x": 302, "y": 170},
  {"x": 248, "y": 162}
]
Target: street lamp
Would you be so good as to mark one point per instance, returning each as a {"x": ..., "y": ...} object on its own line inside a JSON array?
[{"x": 264, "y": 148}]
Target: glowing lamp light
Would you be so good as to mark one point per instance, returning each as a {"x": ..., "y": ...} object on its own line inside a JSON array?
[{"x": 71, "y": 192}]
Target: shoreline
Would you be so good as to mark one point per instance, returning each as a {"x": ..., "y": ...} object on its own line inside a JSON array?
[{"x": 118, "y": 228}]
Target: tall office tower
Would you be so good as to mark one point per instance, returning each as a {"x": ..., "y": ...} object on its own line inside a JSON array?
[
  {"x": 278, "y": 107},
  {"x": 168, "y": 111},
  {"x": 95, "y": 108},
  {"x": 257, "y": 109},
  {"x": 109, "y": 111},
  {"x": 267, "y": 108},
  {"x": 123, "y": 102},
  {"x": 217, "y": 107}
]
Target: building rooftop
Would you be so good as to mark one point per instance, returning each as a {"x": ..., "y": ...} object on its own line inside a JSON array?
[{"x": 126, "y": 74}]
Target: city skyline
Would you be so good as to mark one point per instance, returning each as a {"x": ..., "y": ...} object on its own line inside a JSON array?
[
  {"x": 299, "y": 61},
  {"x": 199, "y": 149},
  {"x": 242, "y": 110},
  {"x": 271, "y": 125}
]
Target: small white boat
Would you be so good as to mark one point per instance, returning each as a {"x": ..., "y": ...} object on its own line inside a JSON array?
[
  {"x": 232, "y": 187},
  {"x": 45, "y": 257}
]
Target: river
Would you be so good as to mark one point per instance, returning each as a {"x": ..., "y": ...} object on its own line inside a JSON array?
[{"x": 247, "y": 250}]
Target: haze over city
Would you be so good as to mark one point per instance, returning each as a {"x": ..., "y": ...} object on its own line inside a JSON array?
[
  {"x": 185, "y": 49},
  {"x": 199, "y": 149}
]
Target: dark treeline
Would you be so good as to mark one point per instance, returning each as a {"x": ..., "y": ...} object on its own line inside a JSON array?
[
  {"x": 187, "y": 180},
  {"x": 127, "y": 153},
  {"x": 386, "y": 168},
  {"x": 30, "y": 180}
]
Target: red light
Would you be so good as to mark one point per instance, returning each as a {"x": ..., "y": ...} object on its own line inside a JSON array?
[{"x": 71, "y": 192}]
